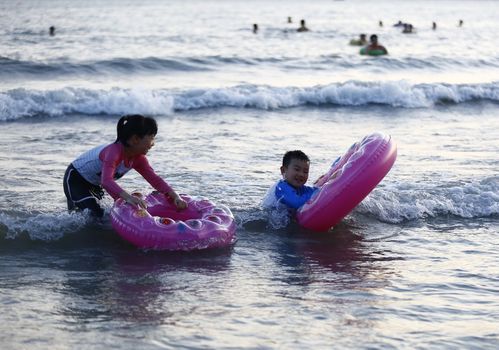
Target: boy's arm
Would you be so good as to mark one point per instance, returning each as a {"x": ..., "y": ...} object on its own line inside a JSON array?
[{"x": 287, "y": 195}]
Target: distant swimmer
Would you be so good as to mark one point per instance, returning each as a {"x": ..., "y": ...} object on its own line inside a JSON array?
[
  {"x": 461, "y": 22},
  {"x": 361, "y": 41},
  {"x": 255, "y": 28},
  {"x": 408, "y": 28},
  {"x": 380, "y": 23},
  {"x": 374, "y": 48},
  {"x": 399, "y": 24},
  {"x": 290, "y": 20},
  {"x": 52, "y": 30},
  {"x": 302, "y": 28},
  {"x": 434, "y": 26}
]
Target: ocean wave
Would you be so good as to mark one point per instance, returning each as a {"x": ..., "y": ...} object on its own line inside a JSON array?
[
  {"x": 405, "y": 202},
  {"x": 14, "y": 68},
  {"x": 399, "y": 203},
  {"x": 42, "y": 226},
  {"x": 393, "y": 203},
  {"x": 23, "y": 103}
]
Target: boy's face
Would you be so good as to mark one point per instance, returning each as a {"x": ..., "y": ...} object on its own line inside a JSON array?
[{"x": 296, "y": 174}]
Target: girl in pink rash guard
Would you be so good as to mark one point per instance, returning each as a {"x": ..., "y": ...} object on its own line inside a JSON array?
[{"x": 99, "y": 168}]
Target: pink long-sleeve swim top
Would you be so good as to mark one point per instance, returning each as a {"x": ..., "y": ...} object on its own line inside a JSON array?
[{"x": 104, "y": 164}]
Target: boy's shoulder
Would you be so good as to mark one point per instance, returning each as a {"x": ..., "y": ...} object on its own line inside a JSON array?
[{"x": 283, "y": 186}]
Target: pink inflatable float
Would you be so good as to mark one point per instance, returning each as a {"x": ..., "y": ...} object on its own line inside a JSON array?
[
  {"x": 162, "y": 227},
  {"x": 348, "y": 182}
]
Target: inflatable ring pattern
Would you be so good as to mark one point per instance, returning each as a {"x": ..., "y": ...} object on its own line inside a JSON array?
[
  {"x": 162, "y": 227},
  {"x": 349, "y": 180}
]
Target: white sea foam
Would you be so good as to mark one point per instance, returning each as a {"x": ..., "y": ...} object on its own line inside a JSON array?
[
  {"x": 397, "y": 203},
  {"x": 22, "y": 103},
  {"x": 45, "y": 226}
]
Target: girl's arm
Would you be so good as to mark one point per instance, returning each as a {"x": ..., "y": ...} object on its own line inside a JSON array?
[
  {"x": 111, "y": 156},
  {"x": 143, "y": 168}
]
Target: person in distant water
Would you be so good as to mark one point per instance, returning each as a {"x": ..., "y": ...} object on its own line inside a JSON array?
[
  {"x": 380, "y": 23},
  {"x": 399, "y": 24},
  {"x": 303, "y": 27},
  {"x": 461, "y": 22},
  {"x": 99, "y": 167},
  {"x": 255, "y": 28},
  {"x": 291, "y": 190},
  {"x": 408, "y": 28},
  {"x": 290, "y": 20},
  {"x": 434, "y": 26},
  {"x": 361, "y": 41},
  {"x": 52, "y": 30},
  {"x": 375, "y": 46}
]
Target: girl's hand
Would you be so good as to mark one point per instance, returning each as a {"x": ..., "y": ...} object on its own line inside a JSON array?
[
  {"x": 180, "y": 203},
  {"x": 134, "y": 200}
]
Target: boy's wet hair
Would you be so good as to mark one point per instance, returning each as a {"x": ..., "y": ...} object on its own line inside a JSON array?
[
  {"x": 296, "y": 154},
  {"x": 135, "y": 124}
]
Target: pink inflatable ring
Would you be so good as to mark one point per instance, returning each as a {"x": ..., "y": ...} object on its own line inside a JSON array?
[
  {"x": 348, "y": 181},
  {"x": 162, "y": 227}
]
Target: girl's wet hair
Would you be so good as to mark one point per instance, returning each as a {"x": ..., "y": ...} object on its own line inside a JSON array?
[
  {"x": 135, "y": 124},
  {"x": 290, "y": 155}
]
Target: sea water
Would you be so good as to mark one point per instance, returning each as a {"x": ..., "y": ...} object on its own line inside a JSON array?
[{"x": 415, "y": 265}]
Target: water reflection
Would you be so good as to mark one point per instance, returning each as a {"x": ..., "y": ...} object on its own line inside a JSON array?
[
  {"x": 338, "y": 250},
  {"x": 345, "y": 255},
  {"x": 127, "y": 284},
  {"x": 331, "y": 279}
]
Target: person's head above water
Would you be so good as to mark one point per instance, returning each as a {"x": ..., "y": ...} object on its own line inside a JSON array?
[
  {"x": 374, "y": 39},
  {"x": 135, "y": 130},
  {"x": 295, "y": 168},
  {"x": 302, "y": 27}
]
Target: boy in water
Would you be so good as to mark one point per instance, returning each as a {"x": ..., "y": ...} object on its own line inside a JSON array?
[
  {"x": 291, "y": 190},
  {"x": 374, "y": 45}
]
